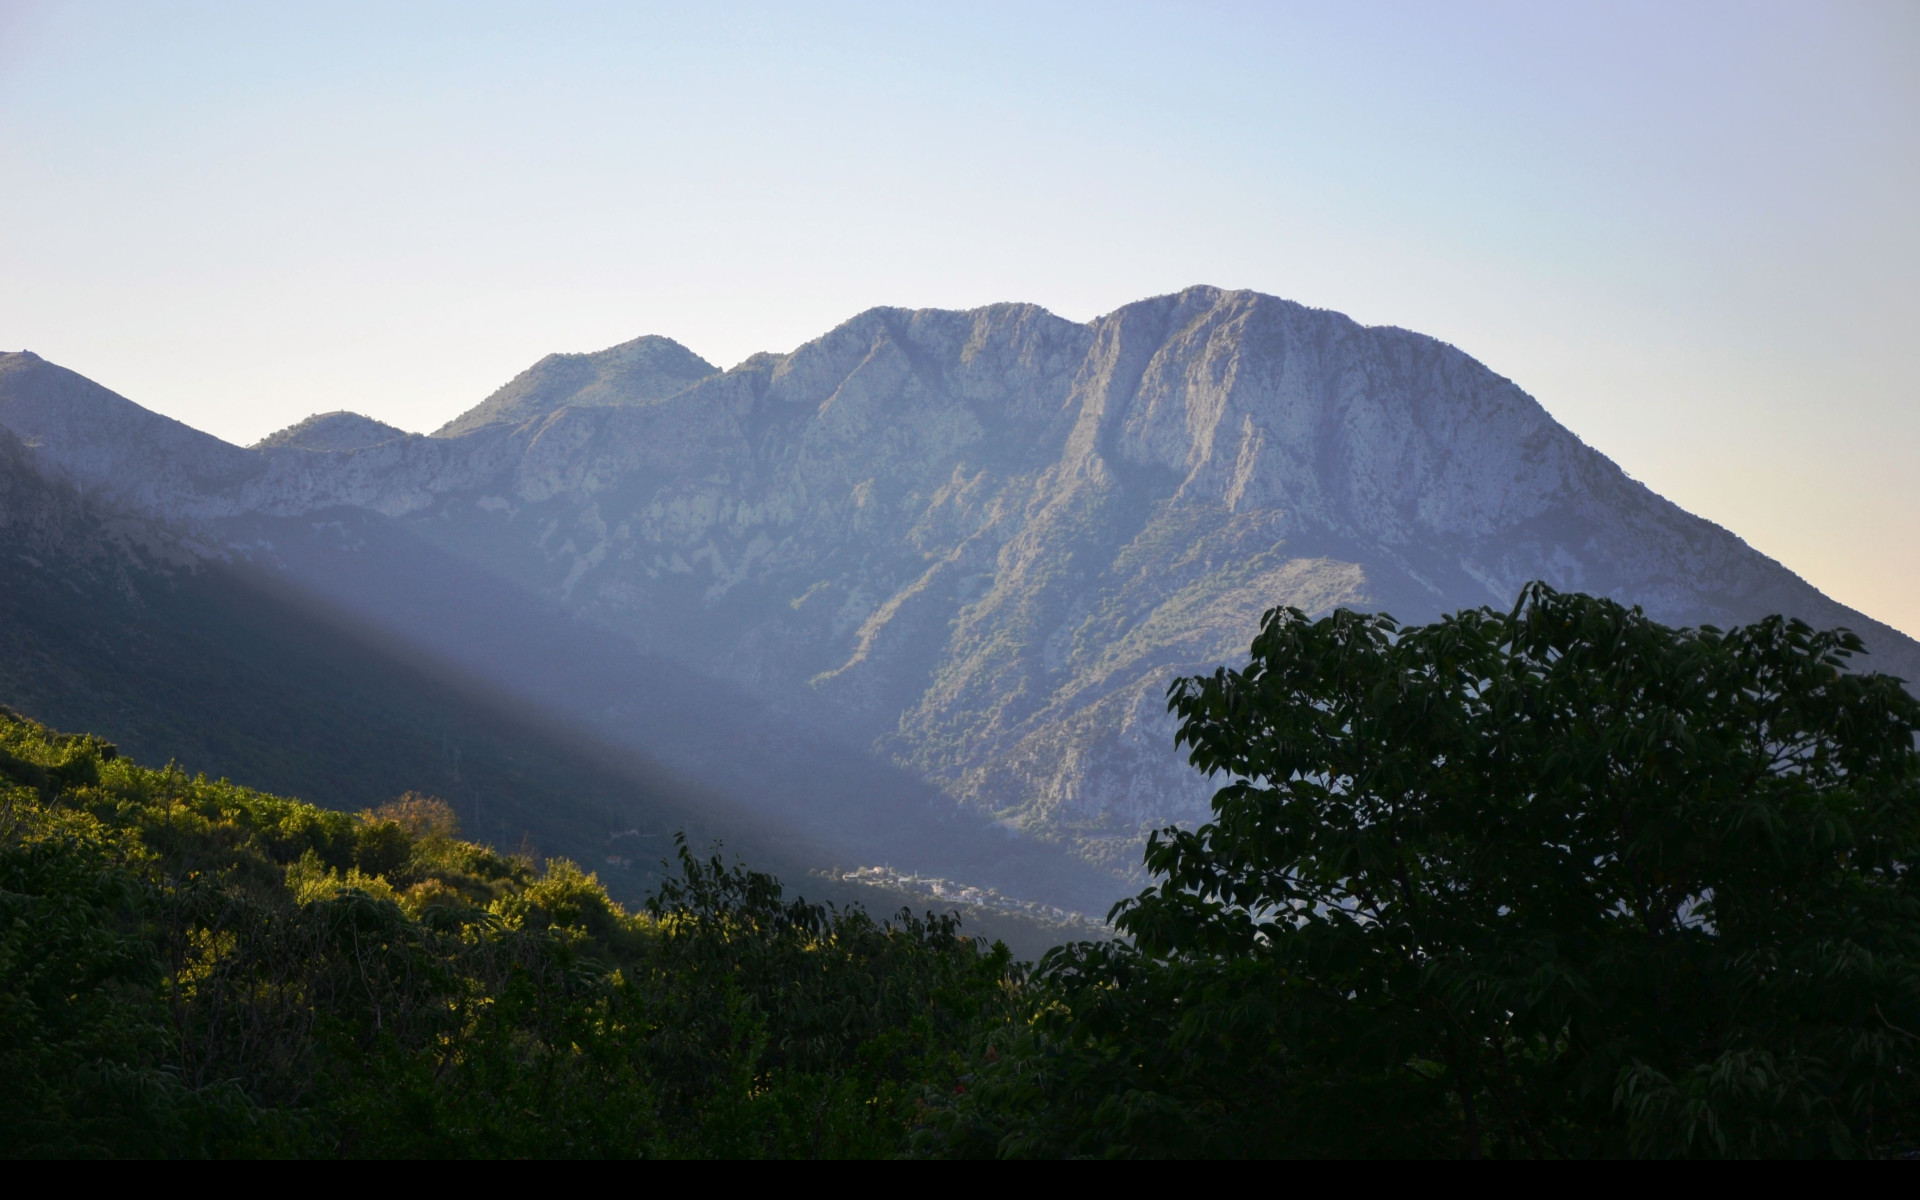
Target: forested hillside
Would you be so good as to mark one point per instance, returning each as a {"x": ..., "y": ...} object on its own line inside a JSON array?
[
  {"x": 192, "y": 968},
  {"x": 1559, "y": 881}
]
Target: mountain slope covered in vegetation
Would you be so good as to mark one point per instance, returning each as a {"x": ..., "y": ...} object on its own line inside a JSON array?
[
  {"x": 1590, "y": 886},
  {"x": 192, "y": 968}
]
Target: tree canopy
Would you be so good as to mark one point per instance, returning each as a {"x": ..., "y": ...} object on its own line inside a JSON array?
[{"x": 1557, "y": 881}]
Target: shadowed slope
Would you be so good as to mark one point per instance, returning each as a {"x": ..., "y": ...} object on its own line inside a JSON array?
[
  {"x": 110, "y": 625},
  {"x": 113, "y": 450}
]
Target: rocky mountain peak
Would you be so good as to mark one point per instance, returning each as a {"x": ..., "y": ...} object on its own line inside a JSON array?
[
  {"x": 644, "y": 369},
  {"x": 334, "y": 431}
]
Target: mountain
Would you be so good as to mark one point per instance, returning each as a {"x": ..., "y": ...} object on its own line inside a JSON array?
[
  {"x": 977, "y": 545},
  {"x": 332, "y": 431},
  {"x": 646, "y": 368},
  {"x": 116, "y": 452},
  {"x": 113, "y": 624}
]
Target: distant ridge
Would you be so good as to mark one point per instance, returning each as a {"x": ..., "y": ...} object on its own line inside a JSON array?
[
  {"x": 333, "y": 431},
  {"x": 110, "y": 448},
  {"x": 646, "y": 368}
]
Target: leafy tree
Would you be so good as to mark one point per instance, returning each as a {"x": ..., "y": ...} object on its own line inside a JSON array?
[{"x": 1561, "y": 881}]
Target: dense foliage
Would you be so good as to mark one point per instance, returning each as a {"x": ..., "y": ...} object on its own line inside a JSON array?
[
  {"x": 188, "y": 967},
  {"x": 1556, "y": 882}
]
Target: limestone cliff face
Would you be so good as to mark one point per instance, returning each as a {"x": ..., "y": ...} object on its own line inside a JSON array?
[{"x": 983, "y": 542}]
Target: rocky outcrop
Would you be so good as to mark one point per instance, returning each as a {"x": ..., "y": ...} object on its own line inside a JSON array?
[{"x": 983, "y": 542}]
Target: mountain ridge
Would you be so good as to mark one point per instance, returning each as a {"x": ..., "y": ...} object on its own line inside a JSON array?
[
  {"x": 332, "y": 431},
  {"x": 981, "y": 542},
  {"x": 649, "y": 367}
]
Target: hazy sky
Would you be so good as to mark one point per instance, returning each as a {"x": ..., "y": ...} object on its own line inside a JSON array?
[{"x": 1689, "y": 229}]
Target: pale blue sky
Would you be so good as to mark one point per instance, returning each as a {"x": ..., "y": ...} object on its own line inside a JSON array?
[{"x": 1687, "y": 228}]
